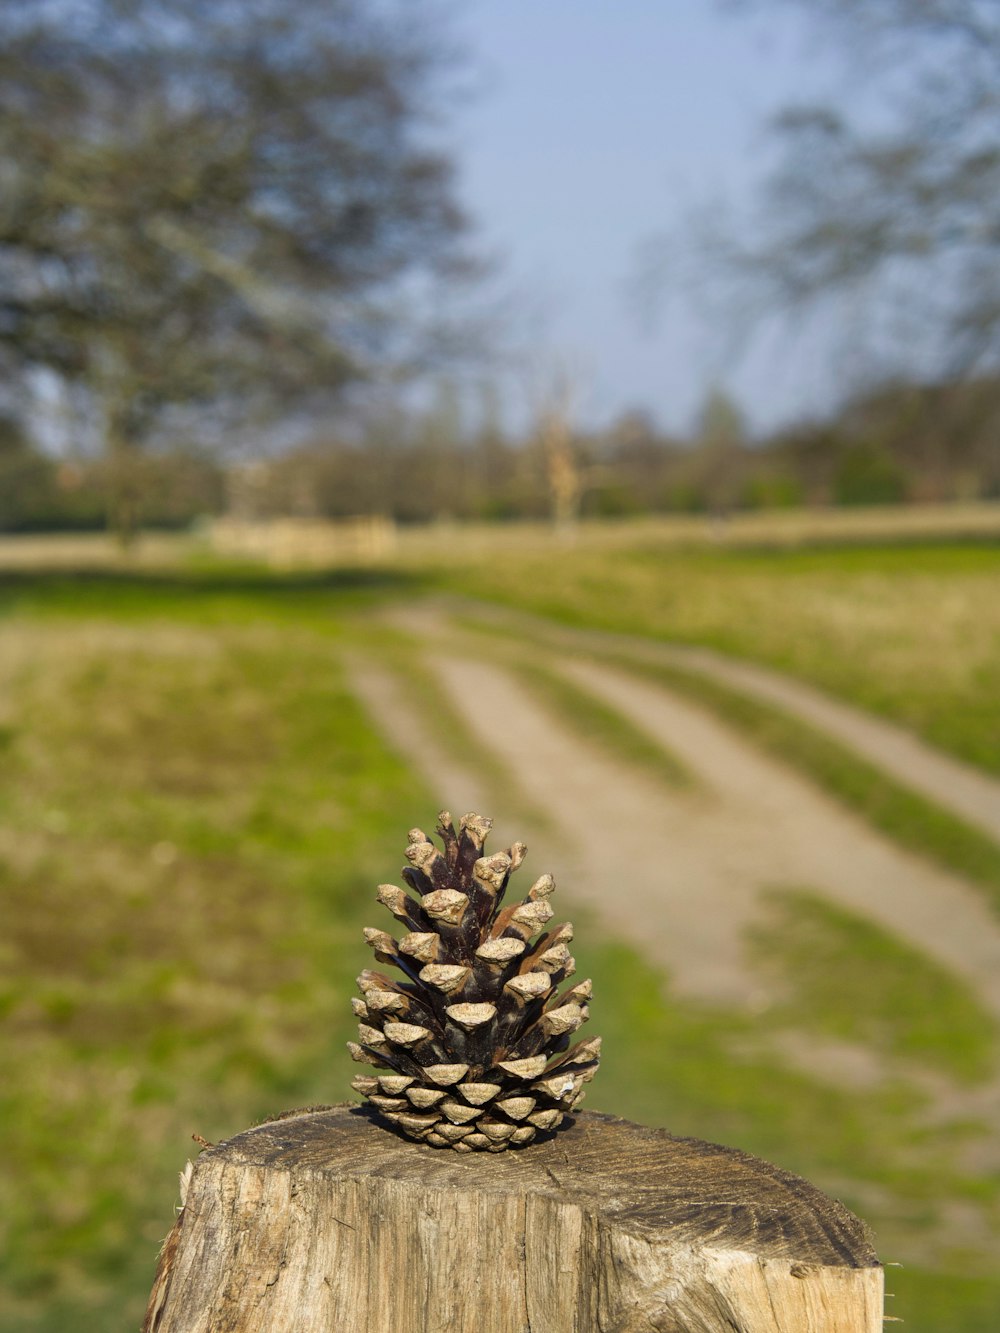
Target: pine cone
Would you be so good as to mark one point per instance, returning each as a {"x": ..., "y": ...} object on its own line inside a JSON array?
[{"x": 475, "y": 1042}]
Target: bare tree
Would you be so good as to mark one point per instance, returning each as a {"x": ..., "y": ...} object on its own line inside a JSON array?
[
  {"x": 552, "y": 390},
  {"x": 893, "y": 194},
  {"x": 562, "y": 468},
  {"x": 716, "y": 464}
]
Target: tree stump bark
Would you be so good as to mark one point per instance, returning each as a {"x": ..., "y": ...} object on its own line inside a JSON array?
[{"x": 325, "y": 1221}]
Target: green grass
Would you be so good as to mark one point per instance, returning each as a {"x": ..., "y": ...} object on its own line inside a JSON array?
[
  {"x": 912, "y": 632},
  {"x": 603, "y": 725},
  {"x": 851, "y": 980},
  {"x": 191, "y": 818},
  {"x": 194, "y": 812},
  {"x": 221, "y": 595},
  {"x": 929, "y": 1300}
]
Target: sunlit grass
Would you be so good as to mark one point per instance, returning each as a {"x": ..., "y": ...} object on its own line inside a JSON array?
[
  {"x": 190, "y": 826},
  {"x": 841, "y": 974}
]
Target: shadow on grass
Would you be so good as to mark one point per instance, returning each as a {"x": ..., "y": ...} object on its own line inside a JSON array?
[{"x": 154, "y": 591}]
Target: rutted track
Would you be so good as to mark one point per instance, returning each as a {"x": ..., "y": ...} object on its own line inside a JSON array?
[
  {"x": 956, "y": 786},
  {"x": 681, "y": 872}
]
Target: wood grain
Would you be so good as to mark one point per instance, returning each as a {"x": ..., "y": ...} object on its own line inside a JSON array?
[{"x": 327, "y": 1221}]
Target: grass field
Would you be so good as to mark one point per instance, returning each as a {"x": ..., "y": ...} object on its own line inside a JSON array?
[
  {"x": 194, "y": 812},
  {"x": 189, "y": 800}
]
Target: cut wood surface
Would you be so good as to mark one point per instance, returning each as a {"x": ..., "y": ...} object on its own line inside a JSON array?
[{"x": 326, "y": 1221}]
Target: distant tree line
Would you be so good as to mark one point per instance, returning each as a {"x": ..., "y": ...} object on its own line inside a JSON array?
[
  {"x": 897, "y": 444},
  {"x": 900, "y": 443},
  {"x": 42, "y": 493}
]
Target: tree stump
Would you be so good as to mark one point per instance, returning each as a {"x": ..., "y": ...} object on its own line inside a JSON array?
[{"x": 325, "y": 1221}]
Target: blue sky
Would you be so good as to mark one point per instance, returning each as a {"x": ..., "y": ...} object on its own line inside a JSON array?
[{"x": 598, "y": 125}]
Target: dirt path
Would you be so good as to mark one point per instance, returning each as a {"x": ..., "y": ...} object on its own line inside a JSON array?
[
  {"x": 458, "y": 787},
  {"x": 680, "y": 874},
  {"x": 966, "y": 791}
]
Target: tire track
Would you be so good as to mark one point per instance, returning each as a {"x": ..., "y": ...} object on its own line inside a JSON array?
[
  {"x": 680, "y": 873},
  {"x": 956, "y": 786}
]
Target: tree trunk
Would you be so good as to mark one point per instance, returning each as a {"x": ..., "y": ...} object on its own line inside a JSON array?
[
  {"x": 123, "y": 473},
  {"x": 326, "y": 1221},
  {"x": 562, "y": 469}
]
